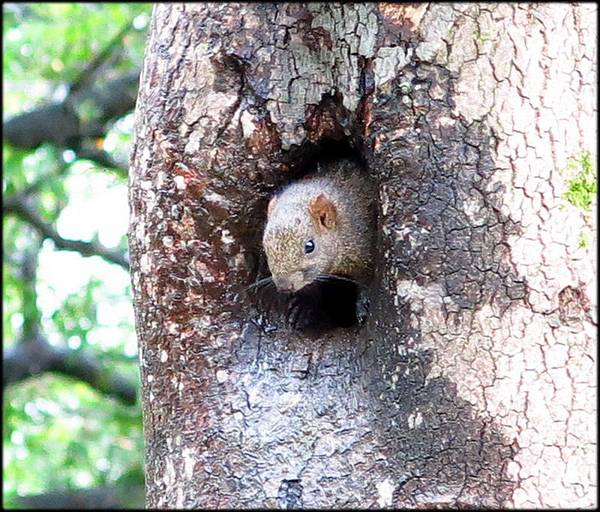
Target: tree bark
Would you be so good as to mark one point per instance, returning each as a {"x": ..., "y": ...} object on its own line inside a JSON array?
[{"x": 472, "y": 381}]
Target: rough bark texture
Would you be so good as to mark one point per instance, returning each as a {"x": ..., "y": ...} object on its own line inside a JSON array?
[{"x": 472, "y": 381}]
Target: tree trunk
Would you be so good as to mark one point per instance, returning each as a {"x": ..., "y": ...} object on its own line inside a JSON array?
[{"x": 472, "y": 380}]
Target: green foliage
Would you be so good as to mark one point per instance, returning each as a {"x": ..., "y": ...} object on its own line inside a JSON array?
[
  {"x": 12, "y": 305},
  {"x": 582, "y": 186},
  {"x": 15, "y": 174},
  {"x": 58, "y": 432},
  {"x": 48, "y": 45},
  {"x": 77, "y": 314}
]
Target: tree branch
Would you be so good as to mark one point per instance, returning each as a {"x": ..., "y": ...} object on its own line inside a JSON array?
[
  {"x": 17, "y": 205},
  {"x": 113, "y": 99},
  {"x": 41, "y": 180},
  {"x": 35, "y": 355},
  {"x": 103, "y": 159},
  {"x": 99, "y": 59},
  {"x": 59, "y": 123},
  {"x": 28, "y": 270},
  {"x": 99, "y": 498}
]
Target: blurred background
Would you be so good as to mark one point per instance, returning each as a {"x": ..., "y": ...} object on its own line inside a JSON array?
[{"x": 72, "y": 425}]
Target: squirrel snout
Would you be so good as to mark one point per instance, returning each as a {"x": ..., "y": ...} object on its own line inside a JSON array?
[{"x": 289, "y": 282}]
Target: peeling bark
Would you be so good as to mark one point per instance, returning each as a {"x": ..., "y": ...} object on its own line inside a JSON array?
[{"x": 472, "y": 381}]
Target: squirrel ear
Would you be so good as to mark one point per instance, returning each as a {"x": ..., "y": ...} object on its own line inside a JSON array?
[
  {"x": 271, "y": 206},
  {"x": 323, "y": 211}
]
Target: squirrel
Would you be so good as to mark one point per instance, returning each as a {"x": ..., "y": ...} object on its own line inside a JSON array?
[{"x": 321, "y": 228}]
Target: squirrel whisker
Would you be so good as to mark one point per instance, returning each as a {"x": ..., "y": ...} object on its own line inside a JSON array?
[
  {"x": 333, "y": 277},
  {"x": 265, "y": 281}
]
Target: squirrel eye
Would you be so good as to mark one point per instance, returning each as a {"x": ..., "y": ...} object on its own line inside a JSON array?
[{"x": 309, "y": 246}]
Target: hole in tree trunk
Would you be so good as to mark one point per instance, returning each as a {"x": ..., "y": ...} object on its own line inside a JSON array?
[{"x": 321, "y": 305}]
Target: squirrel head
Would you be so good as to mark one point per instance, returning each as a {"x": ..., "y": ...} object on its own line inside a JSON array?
[{"x": 300, "y": 239}]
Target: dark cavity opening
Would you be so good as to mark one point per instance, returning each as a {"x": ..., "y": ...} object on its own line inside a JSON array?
[
  {"x": 337, "y": 303},
  {"x": 304, "y": 160},
  {"x": 316, "y": 308}
]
